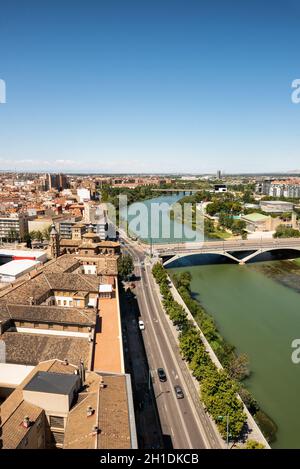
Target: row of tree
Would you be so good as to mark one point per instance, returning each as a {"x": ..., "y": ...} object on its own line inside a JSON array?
[
  {"x": 218, "y": 390},
  {"x": 283, "y": 231},
  {"x": 236, "y": 365}
]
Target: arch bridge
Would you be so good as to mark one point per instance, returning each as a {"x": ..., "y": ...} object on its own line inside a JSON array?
[{"x": 251, "y": 248}]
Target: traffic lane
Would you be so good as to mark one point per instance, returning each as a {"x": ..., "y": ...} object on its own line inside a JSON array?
[
  {"x": 207, "y": 427},
  {"x": 188, "y": 423},
  {"x": 193, "y": 438},
  {"x": 171, "y": 421},
  {"x": 150, "y": 435}
]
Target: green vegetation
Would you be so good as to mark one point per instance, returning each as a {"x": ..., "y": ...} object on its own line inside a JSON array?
[
  {"x": 218, "y": 390},
  {"x": 125, "y": 266},
  {"x": 253, "y": 444},
  {"x": 226, "y": 204},
  {"x": 283, "y": 231}
]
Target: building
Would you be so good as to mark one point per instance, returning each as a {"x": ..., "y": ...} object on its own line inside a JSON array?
[
  {"x": 14, "y": 227},
  {"x": 58, "y": 182},
  {"x": 220, "y": 188},
  {"x": 219, "y": 174},
  {"x": 14, "y": 269},
  {"x": 39, "y": 224},
  {"x": 276, "y": 206},
  {"x": 7, "y": 255},
  {"x": 61, "y": 405},
  {"x": 260, "y": 222},
  {"x": 289, "y": 188},
  {"x": 84, "y": 194}
]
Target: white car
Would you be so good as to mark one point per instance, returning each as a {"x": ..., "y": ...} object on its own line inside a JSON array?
[{"x": 141, "y": 325}]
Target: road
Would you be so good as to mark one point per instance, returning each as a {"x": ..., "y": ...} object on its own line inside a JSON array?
[
  {"x": 184, "y": 421},
  {"x": 230, "y": 245}
]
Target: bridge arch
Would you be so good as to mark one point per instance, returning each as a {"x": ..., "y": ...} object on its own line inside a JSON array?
[
  {"x": 226, "y": 254},
  {"x": 271, "y": 249},
  {"x": 175, "y": 257}
]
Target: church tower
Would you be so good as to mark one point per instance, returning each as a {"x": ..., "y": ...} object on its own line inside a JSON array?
[{"x": 54, "y": 242}]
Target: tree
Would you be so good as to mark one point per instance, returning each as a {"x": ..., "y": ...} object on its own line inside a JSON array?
[
  {"x": 249, "y": 401},
  {"x": 238, "y": 367},
  {"x": 238, "y": 227},
  {"x": 12, "y": 235},
  {"x": 283, "y": 231},
  {"x": 27, "y": 239},
  {"x": 46, "y": 233},
  {"x": 253, "y": 444},
  {"x": 125, "y": 266},
  {"x": 39, "y": 236}
]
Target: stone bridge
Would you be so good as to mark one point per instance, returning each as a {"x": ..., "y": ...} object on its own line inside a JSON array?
[{"x": 251, "y": 248}]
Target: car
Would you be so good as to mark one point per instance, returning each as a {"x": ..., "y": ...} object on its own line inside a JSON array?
[
  {"x": 161, "y": 375},
  {"x": 141, "y": 325},
  {"x": 178, "y": 392}
]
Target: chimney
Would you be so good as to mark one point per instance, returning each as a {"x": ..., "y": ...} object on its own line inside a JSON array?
[
  {"x": 26, "y": 422},
  {"x": 82, "y": 372},
  {"x": 89, "y": 411},
  {"x": 102, "y": 384},
  {"x": 95, "y": 430}
]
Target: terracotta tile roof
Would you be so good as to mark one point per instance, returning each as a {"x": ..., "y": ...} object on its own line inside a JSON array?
[
  {"x": 13, "y": 432},
  {"x": 109, "y": 402},
  {"x": 110, "y": 415},
  {"x": 54, "y": 314},
  {"x": 30, "y": 349}
]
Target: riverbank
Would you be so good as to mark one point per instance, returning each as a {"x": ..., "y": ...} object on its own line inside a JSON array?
[
  {"x": 260, "y": 317},
  {"x": 236, "y": 365}
]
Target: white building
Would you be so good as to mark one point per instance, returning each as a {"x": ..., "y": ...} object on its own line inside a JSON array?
[
  {"x": 83, "y": 194},
  {"x": 14, "y": 269}
]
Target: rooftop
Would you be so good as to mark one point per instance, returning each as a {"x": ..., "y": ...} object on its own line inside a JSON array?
[
  {"x": 255, "y": 217},
  {"x": 53, "y": 383},
  {"x": 29, "y": 349},
  {"x": 17, "y": 267}
]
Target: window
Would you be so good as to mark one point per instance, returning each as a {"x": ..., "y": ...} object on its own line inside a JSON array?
[
  {"x": 65, "y": 302},
  {"x": 58, "y": 438},
  {"x": 56, "y": 422}
]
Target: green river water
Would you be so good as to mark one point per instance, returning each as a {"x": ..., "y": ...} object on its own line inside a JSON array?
[{"x": 257, "y": 308}]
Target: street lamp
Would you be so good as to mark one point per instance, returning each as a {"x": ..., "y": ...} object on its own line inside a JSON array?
[{"x": 221, "y": 417}]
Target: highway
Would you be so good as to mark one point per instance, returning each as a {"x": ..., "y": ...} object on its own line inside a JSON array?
[{"x": 184, "y": 421}]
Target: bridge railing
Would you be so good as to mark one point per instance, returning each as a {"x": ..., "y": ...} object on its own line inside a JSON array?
[{"x": 225, "y": 246}]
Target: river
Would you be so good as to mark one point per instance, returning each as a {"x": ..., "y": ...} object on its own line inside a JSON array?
[{"x": 257, "y": 308}]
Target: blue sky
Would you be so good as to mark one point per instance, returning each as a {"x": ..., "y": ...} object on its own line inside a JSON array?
[{"x": 150, "y": 86}]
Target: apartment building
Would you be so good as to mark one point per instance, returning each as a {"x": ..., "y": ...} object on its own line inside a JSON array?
[
  {"x": 13, "y": 227},
  {"x": 289, "y": 188}
]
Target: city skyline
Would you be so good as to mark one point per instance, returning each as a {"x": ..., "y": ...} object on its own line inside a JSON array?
[{"x": 114, "y": 88}]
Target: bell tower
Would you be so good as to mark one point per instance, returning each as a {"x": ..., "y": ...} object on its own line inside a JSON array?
[{"x": 54, "y": 242}]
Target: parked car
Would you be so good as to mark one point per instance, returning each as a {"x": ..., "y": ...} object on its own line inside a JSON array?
[
  {"x": 178, "y": 392},
  {"x": 161, "y": 375},
  {"x": 141, "y": 325}
]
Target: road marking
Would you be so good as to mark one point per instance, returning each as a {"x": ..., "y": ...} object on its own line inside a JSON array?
[
  {"x": 163, "y": 360},
  {"x": 203, "y": 433},
  {"x": 162, "y": 357}
]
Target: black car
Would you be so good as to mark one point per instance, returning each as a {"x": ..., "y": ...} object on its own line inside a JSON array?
[
  {"x": 179, "y": 392},
  {"x": 161, "y": 374}
]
